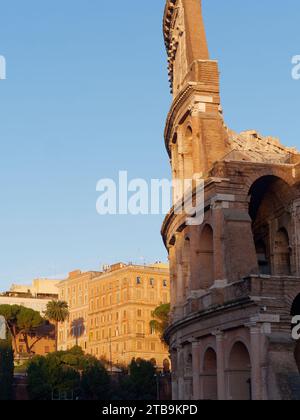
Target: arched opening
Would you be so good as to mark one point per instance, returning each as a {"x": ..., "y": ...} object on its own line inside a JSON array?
[
  {"x": 210, "y": 383},
  {"x": 189, "y": 365},
  {"x": 282, "y": 257},
  {"x": 269, "y": 209},
  {"x": 206, "y": 258},
  {"x": 295, "y": 311},
  {"x": 239, "y": 375},
  {"x": 262, "y": 258},
  {"x": 166, "y": 366},
  {"x": 188, "y": 154}
]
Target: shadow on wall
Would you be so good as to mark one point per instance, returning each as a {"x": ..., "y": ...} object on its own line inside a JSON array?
[{"x": 77, "y": 329}]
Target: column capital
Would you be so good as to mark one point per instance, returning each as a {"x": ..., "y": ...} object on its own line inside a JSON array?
[
  {"x": 195, "y": 343},
  {"x": 219, "y": 334},
  {"x": 254, "y": 327}
]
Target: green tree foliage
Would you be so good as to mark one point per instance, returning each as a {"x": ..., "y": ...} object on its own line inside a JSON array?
[
  {"x": 70, "y": 372},
  {"x": 56, "y": 312},
  {"x": 22, "y": 321},
  {"x": 10, "y": 313},
  {"x": 28, "y": 321},
  {"x": 161, "y": 319},
  {"x": 95, "y": 383},
  {"x": 6, "y": 370},
  {"x": 140, "y": 384}
]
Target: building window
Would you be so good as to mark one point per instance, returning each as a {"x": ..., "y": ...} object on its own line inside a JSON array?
[
  {"x": 165, "y": 283},
  {"x": 153, "y": 346},
  {"x": 152, "y": 282},
  {"x": 138, "y": 280},
  {"x": 139, "y": 313}
]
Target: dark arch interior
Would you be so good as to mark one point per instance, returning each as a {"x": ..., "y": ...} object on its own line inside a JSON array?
[
  {"x": 257, "y": 193},
  {"x": 295, "y": 310},
  {"x": 270, "y": 198}
]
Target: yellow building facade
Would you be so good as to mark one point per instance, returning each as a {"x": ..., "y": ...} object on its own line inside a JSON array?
[
  {"x": 74, "y": 291},
  {"x": 110, "y": 312}
]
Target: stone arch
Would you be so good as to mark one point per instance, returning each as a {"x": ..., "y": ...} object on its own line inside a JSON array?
[
  {"x": 282, "y": 253},
  {"x": 209, "y": 375},
  {"x": 239, "y": 372},
  {"x": 270, "y": 198},
  {"x": 206, "y": 258},
  {"x": 265, "y": 172}
]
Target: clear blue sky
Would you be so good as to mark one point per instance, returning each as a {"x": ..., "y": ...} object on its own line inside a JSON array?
[{"x": 87, "y": 95}]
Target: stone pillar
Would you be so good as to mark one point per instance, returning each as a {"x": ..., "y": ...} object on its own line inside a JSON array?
[
  {"x": 238, "y": 242},
  {"x": 180, "y": 278},
  {"x": 198, "y": 152},
  {"x": 180, "y": 372},
  {"x": 174, "y": 375},
  {"x": 196, "y": 370},
  {"x": 295, "y": 240},
  {"x": 219, "y": 252},
  {"x": 175, "y": 395},
  {"x": 175, "y": 173},
  {"x": 256, "y": 379},
  {"x": 220, "y": 365},
  {"x": 180, "y": 159},
  {"x": 173, "y": 275}
]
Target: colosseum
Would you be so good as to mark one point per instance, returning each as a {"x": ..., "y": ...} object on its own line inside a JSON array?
[{"x": 236, "y": 276}]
